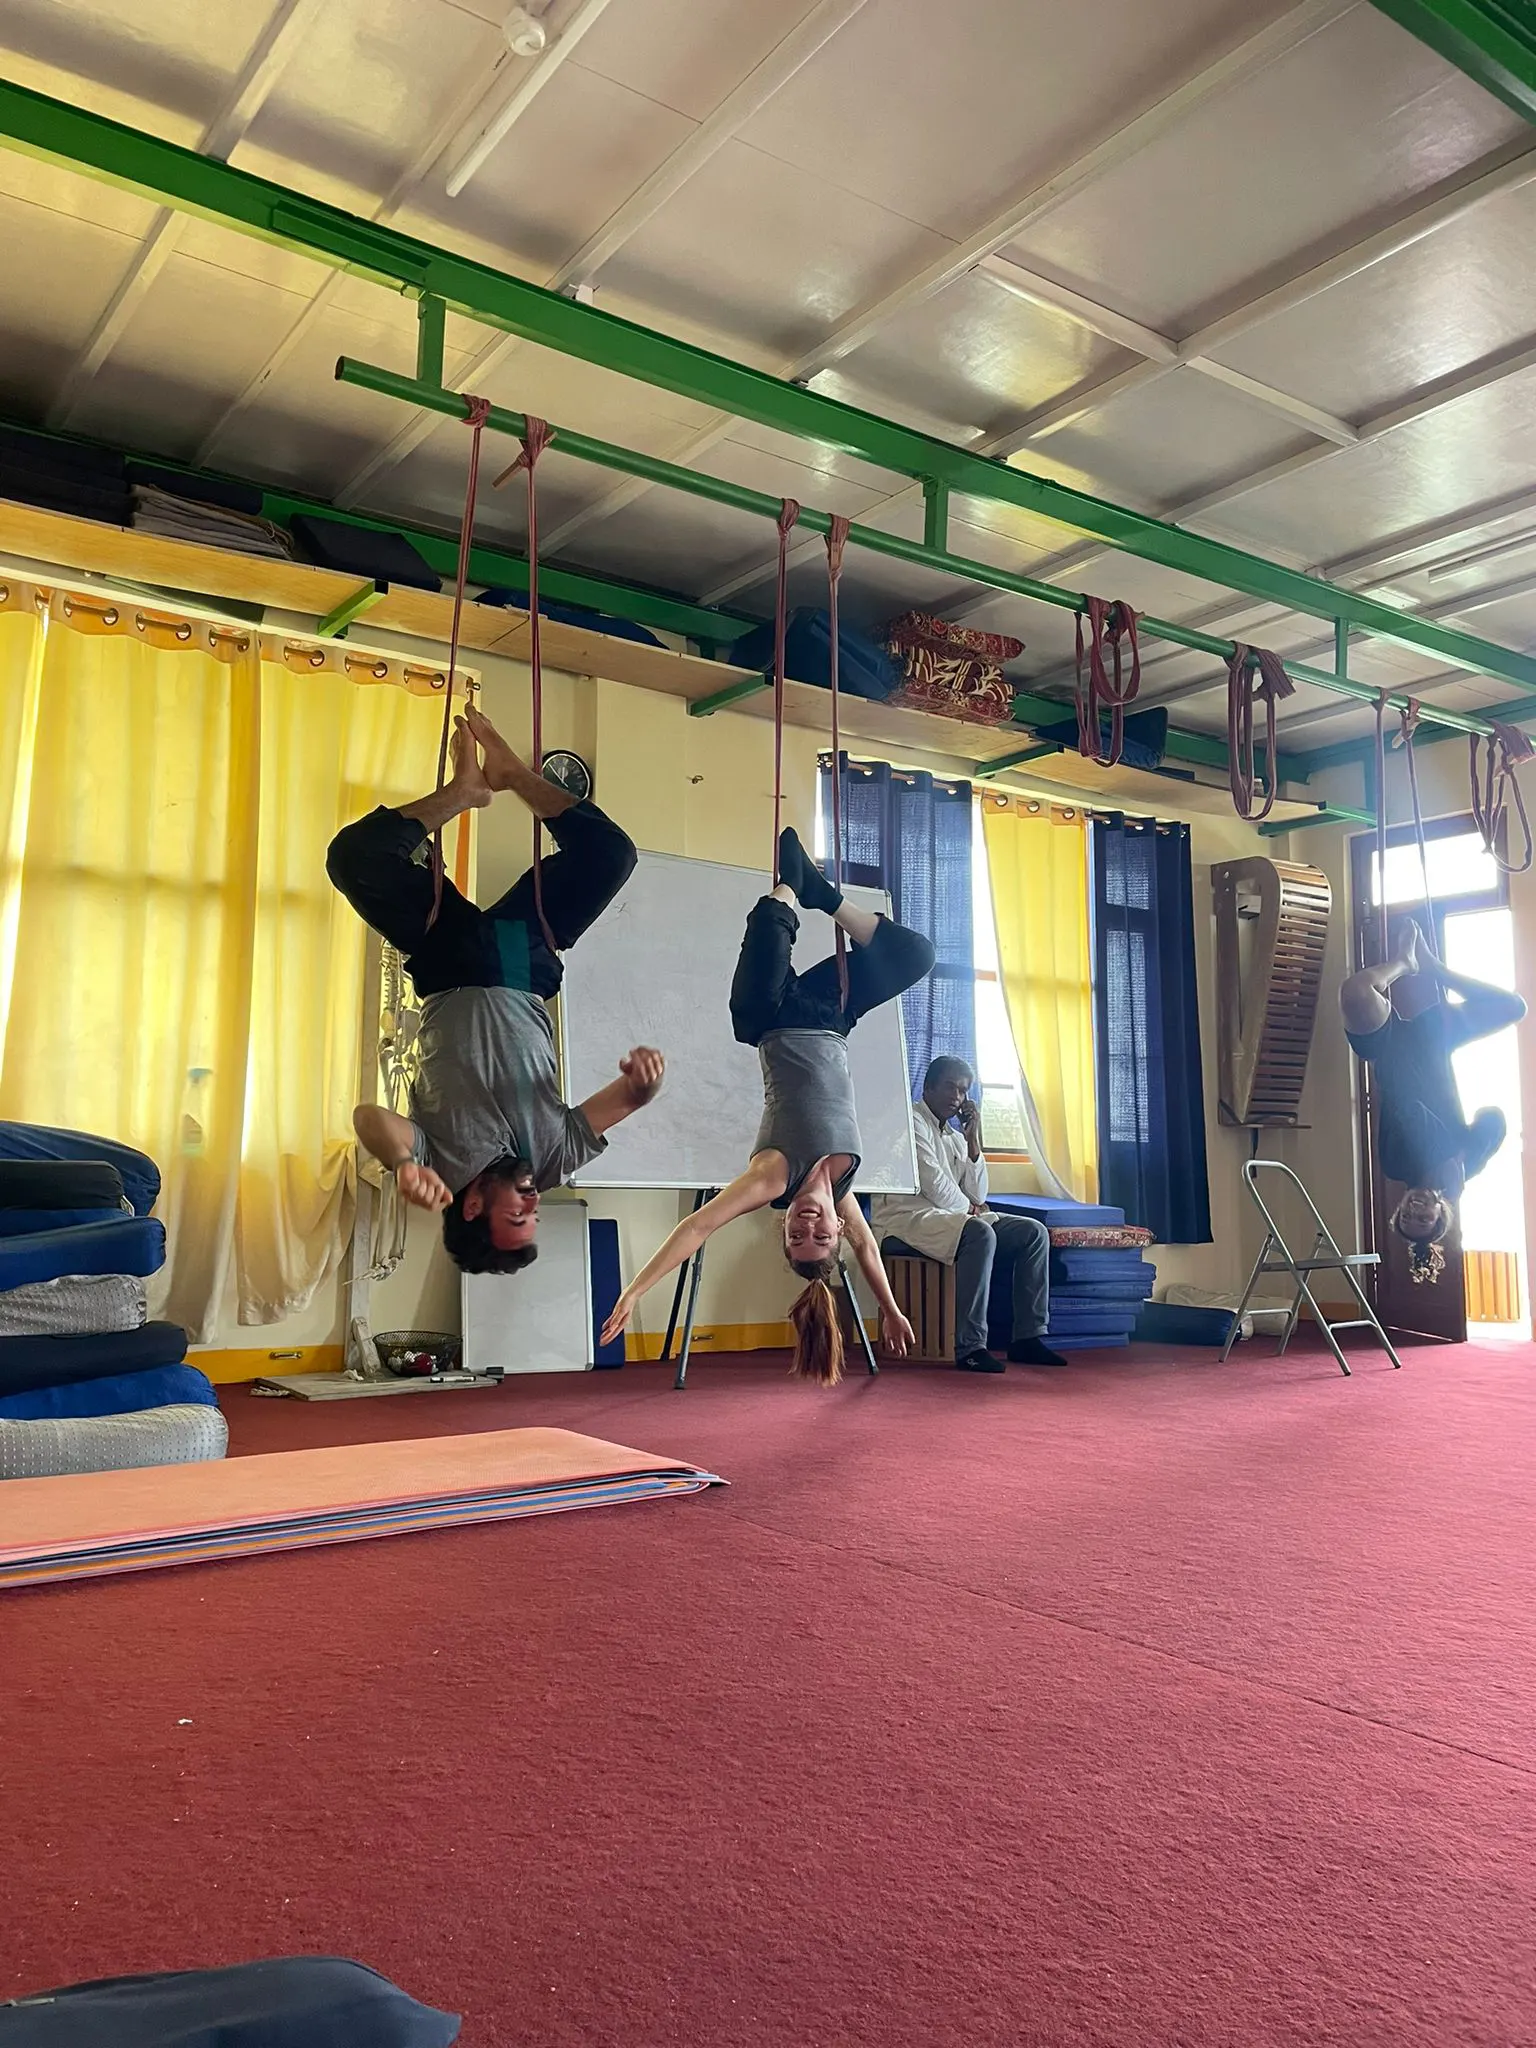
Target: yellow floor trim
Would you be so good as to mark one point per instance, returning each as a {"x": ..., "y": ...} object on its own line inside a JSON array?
[{"x": 252, "y": 1363}]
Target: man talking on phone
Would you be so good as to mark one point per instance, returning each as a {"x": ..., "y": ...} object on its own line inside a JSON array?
[{"x": 948, "y": 1220}]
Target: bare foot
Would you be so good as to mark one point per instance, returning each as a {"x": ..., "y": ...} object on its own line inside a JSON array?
[
  {"x": 502, "y": 765},
  {"x": 469, "y": 780},
  {"x": 1407, "y": 947}
]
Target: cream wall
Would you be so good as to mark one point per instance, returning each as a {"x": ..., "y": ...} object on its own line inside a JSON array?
[{"x": 704, "y": 787}]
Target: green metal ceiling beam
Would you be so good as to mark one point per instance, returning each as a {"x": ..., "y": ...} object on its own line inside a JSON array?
[
  {"x": 180, "y": 178},
  {"x": 1493, "y": 41}
]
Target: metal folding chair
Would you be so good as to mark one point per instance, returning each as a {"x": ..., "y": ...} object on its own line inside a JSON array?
[{"x": 1324, "y": 1257}]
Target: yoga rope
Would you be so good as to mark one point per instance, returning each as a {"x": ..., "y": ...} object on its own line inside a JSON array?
[
  {"x": 837, "y": 536},
  {"x": 1106, "y": 622},
  {"x": 1253, "y": 673},
  {"x": 789, "y": 512},
  {"x": 476, "y": 411},
  {"x": 1409, "y": 722},
  {"x": 1381, "y": 829},
  {"x": 536, "y": 437},
  {"x": 1496, "y": 788}
]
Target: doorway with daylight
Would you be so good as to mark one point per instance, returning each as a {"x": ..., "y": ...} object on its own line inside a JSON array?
[{"x": 1484, "y": 1290}]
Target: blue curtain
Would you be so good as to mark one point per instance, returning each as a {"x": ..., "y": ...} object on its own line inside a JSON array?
[
  {"x": 911, "y": 835},
  {"x": 1147, "y": 1030}
]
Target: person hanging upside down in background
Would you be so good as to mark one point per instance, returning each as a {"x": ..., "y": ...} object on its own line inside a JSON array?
[
  {"x": 1397, "y": 1020},
  {"x": 488, "y": 1130},
  {"x": 808, "y": 1144}
]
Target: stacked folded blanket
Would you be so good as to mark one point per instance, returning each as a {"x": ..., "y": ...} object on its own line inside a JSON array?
[
  {"x": 1100, "y": 1275},
  {"x": 87, "y": 1382}
]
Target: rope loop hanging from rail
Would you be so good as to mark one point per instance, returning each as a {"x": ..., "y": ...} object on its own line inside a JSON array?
[
  {"x": 1111, "y": 628},
  {"x": 1254, "y": 675},
  {"x": 476, "y": 412},
  {"x": 837, "y": 537},
  {"x": 789, "y": 512},
  {"x": 1496, "y": 790},
  {"x": 535, "y": 437}
]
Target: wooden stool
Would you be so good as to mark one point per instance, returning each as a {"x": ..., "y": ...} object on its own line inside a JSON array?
[{"x": 925, "y": 1294}]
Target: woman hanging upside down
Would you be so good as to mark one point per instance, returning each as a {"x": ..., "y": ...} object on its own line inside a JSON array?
[
  {"x": 808, "y": 1143},
  {"x": 1426, "y": 1142}
]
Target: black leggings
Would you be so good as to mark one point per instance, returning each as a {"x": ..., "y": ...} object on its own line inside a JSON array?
[
  {"x": 380, "y": 865},
  {"x": 767, "y": 994}
]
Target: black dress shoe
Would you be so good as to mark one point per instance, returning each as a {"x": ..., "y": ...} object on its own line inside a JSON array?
[
  {"x": 1032, "y": 1351},
  {"x": 979, "y": 1361}
]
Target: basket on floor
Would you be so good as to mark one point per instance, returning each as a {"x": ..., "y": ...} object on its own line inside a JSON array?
[{"x": 417, "y": 1354}]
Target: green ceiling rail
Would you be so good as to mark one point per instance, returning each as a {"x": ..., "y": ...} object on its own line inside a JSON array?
[
  {"x": 180, "y": 178},
  {"x": 1326, "y": 814},
  {"x": 698, "y": 484},
  {"x": 1493, "y": 41}
]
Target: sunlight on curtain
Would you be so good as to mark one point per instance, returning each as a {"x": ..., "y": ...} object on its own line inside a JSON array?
[
  {"x": 182, "y": 976},
  {"x": 1039, "y": 869}
]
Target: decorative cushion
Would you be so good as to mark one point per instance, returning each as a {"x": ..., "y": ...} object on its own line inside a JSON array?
[
  {"x": 1107, "y": 1237},
  {"x": 183, "y": 1435},
  {"x": 952, "y": 669}
]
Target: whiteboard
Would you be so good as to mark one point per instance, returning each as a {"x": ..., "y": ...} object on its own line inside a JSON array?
[
  {"x": 539, "y": 1320},
  {"x": 656, "y": 969}
]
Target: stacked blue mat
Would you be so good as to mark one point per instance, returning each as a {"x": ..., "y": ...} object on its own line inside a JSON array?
[
  {"x": 1096, "y": 1293},
  {"x": 87, "y": 1382}
]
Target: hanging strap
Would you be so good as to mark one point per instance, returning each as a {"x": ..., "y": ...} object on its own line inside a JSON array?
[
  {"x": 837, "y": 537},
  {"x": 1381, "y": 828},
  {"x": 1408, "y": 720},
  {"x": 789, "y": 512},
  {"x": 1254, "y": 674},
  {"x": 1111, "y": 623},
  {"x": 536, "y": 437},
  {"x": 1495, "y": 789},
  {"x": 476, "y": 412}
]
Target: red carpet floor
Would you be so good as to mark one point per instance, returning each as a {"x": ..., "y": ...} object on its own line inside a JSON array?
[{"x": 1150, "y": 1703}]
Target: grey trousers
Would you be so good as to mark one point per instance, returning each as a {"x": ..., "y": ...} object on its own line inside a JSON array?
[{"x": 991, "y": 1255}]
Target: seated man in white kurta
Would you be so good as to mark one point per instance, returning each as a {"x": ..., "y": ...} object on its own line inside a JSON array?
[{"x": 948, "y": 1220}]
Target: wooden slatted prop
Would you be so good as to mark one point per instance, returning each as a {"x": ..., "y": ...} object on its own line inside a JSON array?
[
  {"x": 1271, "y": 934},
  {"x": 925, "y": 1294}
]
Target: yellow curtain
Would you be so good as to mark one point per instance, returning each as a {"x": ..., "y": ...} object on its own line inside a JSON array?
[
  {"x": 1038, "y": 862},
  {"x": 175, "y": 969}
]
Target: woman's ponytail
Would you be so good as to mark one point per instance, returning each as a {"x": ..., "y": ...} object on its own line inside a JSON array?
[{"x": 818, "y": 1332}]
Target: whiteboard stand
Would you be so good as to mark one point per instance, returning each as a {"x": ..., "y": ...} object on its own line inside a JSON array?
[{"x": 858, "y": 1319}]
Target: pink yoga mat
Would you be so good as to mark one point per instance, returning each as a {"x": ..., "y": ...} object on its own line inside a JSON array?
[{"x": 90, "y": 1523}]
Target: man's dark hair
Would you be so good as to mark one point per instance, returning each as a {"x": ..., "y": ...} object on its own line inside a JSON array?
[
  {"x": 947, "y": 1065},
  {"x": 467, "y": 1239}
]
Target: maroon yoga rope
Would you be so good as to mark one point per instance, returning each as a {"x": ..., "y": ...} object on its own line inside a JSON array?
[
  {"x": 536, "y": 437},
  {"x": 476, "y": 411},
  {"x": 837, "y": 536},
  {"x": 789, "y": 512},
  {"x": 1497, "y": 789},
  {"x": 1269, "y": 685},
  {"x": 1106, "y": 622}
]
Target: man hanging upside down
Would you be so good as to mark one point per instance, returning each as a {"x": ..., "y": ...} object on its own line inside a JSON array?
[
  {"x": 1409, "y": 1037},
  {"x": 488, "y": 1130}
]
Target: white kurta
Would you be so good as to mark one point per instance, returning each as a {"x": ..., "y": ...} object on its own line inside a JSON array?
[{"x": 949, "y": 1185}]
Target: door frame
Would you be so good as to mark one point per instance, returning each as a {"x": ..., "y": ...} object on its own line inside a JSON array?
[{"x": 1437, "y": 1313}]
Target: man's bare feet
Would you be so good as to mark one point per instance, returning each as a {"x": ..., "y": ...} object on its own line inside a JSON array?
[
  {"x": 469, "y": 780},
  {"x": 502, "y": 765}
]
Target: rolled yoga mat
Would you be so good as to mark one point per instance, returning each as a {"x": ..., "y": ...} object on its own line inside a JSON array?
[{"x": 137, "y": 1521}]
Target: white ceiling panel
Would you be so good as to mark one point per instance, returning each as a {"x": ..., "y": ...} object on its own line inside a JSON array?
[
  {"x": 1281, "y": 168},
  {"x": 41, "y": 333},
  {"x": 369, "y": 85},
  {"x": 572, "y": 160},
  {"x": 1479, "y": 448},
  {"x": 1168, "y": 441},
  {"x": 979, "y": 356},
  {"x": 133, "y": 63},
  {"x": 939, "y": 112},
  {"x": 1442, "y": 304},
  {"x": 768, "y": 252},
  {"x": 684, "y": 54}
]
